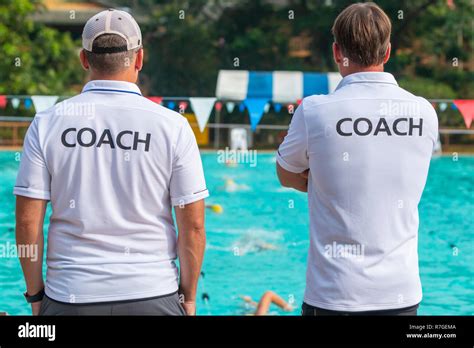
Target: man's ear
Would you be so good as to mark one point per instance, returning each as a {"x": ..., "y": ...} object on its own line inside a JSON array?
[
  {"x": 336, "y": 53},
  {"x": 83, "y": 58},
  {"x": 387, "y": 54},
  {"x": 139, "y": 60}
]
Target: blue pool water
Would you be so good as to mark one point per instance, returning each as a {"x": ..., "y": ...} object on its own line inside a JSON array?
[{"x": 258, "y": 213}]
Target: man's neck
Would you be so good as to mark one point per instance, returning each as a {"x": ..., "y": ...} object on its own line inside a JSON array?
[
  {"x": 357, "y": 69},
  {"x": 118, "y": 77}
]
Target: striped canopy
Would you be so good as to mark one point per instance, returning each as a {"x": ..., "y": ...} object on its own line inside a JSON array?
[{"x": 275, "y": 86}]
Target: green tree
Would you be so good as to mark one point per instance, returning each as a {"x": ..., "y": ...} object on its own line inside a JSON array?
[
  {"x": 35, "y": 59},
  {"x": 180, "y": 52}
]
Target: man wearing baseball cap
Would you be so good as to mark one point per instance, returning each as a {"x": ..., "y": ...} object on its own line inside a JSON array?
[{"x": 113, "y": 164}]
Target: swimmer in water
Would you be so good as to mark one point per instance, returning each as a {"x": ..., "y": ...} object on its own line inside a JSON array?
[
  {"x": 231, "y": 163},
  {"x": 269, "y": 297},
  {"x": 230, "y": 185}
]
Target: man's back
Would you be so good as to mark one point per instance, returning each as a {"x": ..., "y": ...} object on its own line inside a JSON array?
[
  {"x": 368, "y": 145},
  {"x": 117, "y": 163}
]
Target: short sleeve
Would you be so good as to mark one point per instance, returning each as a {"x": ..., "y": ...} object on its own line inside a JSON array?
[
  {"x": 33, "y": 179},
  {"x": 187, "y": 184},
  {"x": 292, "y": 154}
]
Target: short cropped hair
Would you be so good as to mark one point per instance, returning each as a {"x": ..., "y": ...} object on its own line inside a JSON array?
[
  {"x": 362, "y": 31},
  {"x": 110, "y": 63}
]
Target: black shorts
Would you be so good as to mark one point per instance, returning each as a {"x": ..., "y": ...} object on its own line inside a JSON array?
[{"x": 308, "y": 310}]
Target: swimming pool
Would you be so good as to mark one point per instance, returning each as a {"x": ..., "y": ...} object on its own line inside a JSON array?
[{"x": 260, "y": 241}]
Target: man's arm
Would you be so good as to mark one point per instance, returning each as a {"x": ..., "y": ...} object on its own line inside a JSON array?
[
  {"x": 292, "y": 155},
  {"x": 191, "y": 245},
  {"x": 298, "y": 181},
  {"x": 29, "y": 233}
]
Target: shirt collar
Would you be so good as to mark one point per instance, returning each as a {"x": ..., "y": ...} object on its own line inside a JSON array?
[
  {"x": 368, "y": 77},
  {"x": 111, "y": 86}
]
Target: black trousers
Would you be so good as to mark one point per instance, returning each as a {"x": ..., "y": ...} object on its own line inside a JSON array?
[{"x": 308, "y": 310}]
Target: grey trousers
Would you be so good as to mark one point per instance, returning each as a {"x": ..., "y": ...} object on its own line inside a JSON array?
[{"x": 162, "y": 305}]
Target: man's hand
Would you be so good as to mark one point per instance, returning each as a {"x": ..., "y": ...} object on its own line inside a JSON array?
[
  {"x": 298, "y": 181},
  {"x": 305, "y": 174},
  {"x": 35, "y": 308},
  {"x": 189, "y": 307}
]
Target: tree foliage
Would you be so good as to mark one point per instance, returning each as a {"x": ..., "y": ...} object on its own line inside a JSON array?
[{"x": 34, "y": 59}]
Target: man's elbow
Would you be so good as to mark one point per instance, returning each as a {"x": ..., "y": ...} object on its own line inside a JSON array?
[
  {"x": 196, "y": 229},
  {"x": 284, "y": 182}
]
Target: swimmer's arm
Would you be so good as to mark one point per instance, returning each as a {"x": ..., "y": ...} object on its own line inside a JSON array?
[
  {"x": 267, "y": 299},
  {"x": 191, "y": 244},
  {"x": 29, "y": 236},
  {"x": 298, "y": 181}
]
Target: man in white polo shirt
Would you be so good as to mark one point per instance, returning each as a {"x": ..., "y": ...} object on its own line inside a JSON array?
[
  {"x": 362, "y": 153},
  {"x": 113, "y": 164}
]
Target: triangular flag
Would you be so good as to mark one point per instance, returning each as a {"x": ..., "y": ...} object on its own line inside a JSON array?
[
  {"x": 3, "y": 101},
  {"x": 443, "y": 106},
  {"x": 230, "y": 106},
  {"x": 242, "y": 107},
  {"x": 218, "y": 106},
  {"x": 266, "y": 109},
  {"x": 171, "y": 105},
  {"x": 182, "y": 106},
  {"x": 466, "y": 107},
  {"x": 277, "y": 107},
  {"x": 43, "y": 102},
  {"x": 157, "y": 100},
  {"x": 256, "y": 107},
  {"x": 27, "y": 103},
  {"x": 202, "y": 108},
  {"x": 15, "y": 103}
]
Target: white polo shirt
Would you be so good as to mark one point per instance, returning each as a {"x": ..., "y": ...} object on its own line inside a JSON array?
[
  {"x": 368, "y": 147},
  {"x": 112, "y": 163}
]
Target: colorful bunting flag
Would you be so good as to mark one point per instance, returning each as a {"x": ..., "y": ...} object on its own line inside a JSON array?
[
  {"x": 182, "y": 106},
  {"x": 277, "y": 107},
  {"x": 171, "y": 105},
  {"x": 466, "y": 108},
  {"x": 230, "y": 106},
  {"x": 43, "y": 102},
  {"x": 15, "y": 103},
  {"x": 443, "y": 106},
  {"x": 3, "y": 101},
  {"x": 218, "y": 106},
  {"x": 157, "y": 100},
  {"x": 202, "y": 108},
  {"x": 242, "y": 107},
  {"x": 28, "y": 103},
  {"x": 266, "y": 108},
  {"x": 256, "y": 107}
]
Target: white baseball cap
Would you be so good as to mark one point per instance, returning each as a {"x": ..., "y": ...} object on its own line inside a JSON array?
[{"x": 112, "y": 22}]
